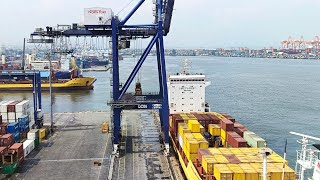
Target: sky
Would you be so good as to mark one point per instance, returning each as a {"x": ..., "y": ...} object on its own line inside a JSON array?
[{"x": 195, "y": 23}]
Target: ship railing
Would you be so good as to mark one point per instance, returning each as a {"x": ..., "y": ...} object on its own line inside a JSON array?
[{"x": 308, "y": 159}]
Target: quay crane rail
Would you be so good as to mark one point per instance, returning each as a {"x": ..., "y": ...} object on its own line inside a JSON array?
[{"x": 121, "y": 34}]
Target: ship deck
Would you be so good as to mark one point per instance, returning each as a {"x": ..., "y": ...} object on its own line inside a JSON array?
[{"x": 78, "y": 147}]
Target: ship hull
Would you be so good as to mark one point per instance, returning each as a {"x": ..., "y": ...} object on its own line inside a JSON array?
[{"x": 85, "y": 83}]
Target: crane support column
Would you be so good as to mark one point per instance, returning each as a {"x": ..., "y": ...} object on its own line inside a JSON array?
[
  {"x": 115, "y": 84},
  {"x": 165, "y": 105}
]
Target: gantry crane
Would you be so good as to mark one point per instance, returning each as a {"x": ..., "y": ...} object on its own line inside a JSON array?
[{"x": 121, "y": 33}]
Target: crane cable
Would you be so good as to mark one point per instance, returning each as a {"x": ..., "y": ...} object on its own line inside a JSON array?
[{"x": 124, "y": 7}]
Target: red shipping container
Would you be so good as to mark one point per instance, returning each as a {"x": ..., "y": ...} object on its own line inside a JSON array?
[
  {"x": 235, "y": 140},
  {"x": 228, "y": 117},
  {"x": 240, "y": 130},
  {"x": 12, "y": 106},
  {"x": 238, "y": 125},
  {"x": 214, "y": 119},
  {"x": 6, "y": 140},
  {"x": 176, "y": 119},
  {"x": 199, "y": 169},
  {"x": 3, "y": 128},
  {"x": 202, "y": 152},
  {"x": 3, "y": 150},
  {"x": 231, "y": 135},
  {"x": 233, "y": 159},
  {"x": 198, "y": 116},
  {"x": 18, "y": 147},
  {"x": 205, "y": 117},
  {"x": 227, "y": 125},
  {"x": 240, "y": 142}
]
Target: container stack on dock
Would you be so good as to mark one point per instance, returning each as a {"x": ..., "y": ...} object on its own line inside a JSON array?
[
  {"x": 16, "y": 139},
  {"x": 215, "y": 146},
  {"x": 11, "y": 111}
]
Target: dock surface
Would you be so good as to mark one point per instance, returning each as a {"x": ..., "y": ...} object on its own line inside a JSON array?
[
  {"x": 72, "y": 151},
  {"x": 79, "y": 150},
  {"x": 141, "y": 153}
]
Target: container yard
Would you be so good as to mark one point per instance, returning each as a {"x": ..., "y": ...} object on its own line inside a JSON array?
[{"x": 211, "y": 145}]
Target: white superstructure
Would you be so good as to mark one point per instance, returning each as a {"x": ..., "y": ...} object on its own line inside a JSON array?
[
  {"x": 308, "y": 158},
  {"x": 186, "y": 91}
]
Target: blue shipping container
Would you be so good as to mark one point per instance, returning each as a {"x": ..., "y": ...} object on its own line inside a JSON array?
[
  {"x": 13, "y": 128},
  {"x": 17, "y": 137},
  {"x": 24, "y": 128}
]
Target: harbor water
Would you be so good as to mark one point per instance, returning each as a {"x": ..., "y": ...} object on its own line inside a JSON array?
[{"x": 269, "y": 96}]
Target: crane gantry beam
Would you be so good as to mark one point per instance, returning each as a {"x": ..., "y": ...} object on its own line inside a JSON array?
[{"x": 119, "y": 31}]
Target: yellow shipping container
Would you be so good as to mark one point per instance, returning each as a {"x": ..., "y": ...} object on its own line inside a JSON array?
[
  {"x": 223, "y": 134},
  {"x": 192, "y": 145},
  {"x": 214, "y": 130},
  {"x": 42, "y": 133},
  {"x": 194, "y": 126},
  {"x": 207, "y": 164},
  {"x": 215, "y": 151},
  {"x": 198, "y": 136},
  {"x": 274, "y": 172},
  {"x": 243, "y": 158},
  {"x": 183, "y": 128},
  {"x": 191, "y": 156},
  {"x": 236, "y": 151},
  {"x": 202, "y": 130},
  {"x": 221, "y": 159},
  {"x": 187, "y": 136},
  {"x": 274, "y": 157},
  {"x": 226, "y": 151},
  {"x": 250, "y": 172},
  {"x": 249, "y": 151},
  {"x": 203, "y": 144},
  {"x": 238, "y": 173},
  {"x": 289, "y": 173},
  {"x": 190, "y": 115},
  {"x": 222, "y": 172}
]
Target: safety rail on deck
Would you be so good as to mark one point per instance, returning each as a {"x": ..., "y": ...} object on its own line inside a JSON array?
[{"x": 309, "y": 160}]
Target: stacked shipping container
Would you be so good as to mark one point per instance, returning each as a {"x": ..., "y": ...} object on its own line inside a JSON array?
[
  {"x": 236, "y": 154},
  {"x": 12, "y": 110}
]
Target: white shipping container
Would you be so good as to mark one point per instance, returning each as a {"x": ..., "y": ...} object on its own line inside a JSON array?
[
  {"x": 11, "y": 115},
  {"x": 31, "y": 136},
  {"x": 22, "y": 106},
  {"x": 4, "y": 117},
  {"x": 180, "y": 140},
  {"x": 28, "y": 147},
  {"x": 19, "y": 114},
  {"x": 3, "y": 107},
  {"x": 97, "y": 16},
  {"x": 11, "y": 120}
]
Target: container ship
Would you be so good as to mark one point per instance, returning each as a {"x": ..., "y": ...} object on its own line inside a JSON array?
[
  {"x": 211, "y": 145},
  {"x": 62, "y": 77}
]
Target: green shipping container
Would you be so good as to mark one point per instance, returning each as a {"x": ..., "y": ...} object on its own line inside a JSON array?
[{"x": 10, "y": 168}]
